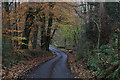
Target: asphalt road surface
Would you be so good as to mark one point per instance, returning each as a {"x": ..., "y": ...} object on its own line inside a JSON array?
[{"x": 54, "y": 68}]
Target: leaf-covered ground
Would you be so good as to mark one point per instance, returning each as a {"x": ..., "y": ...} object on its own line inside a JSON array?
[
  {"x": 77, "y": 68},
  {"x": 22, "y": 69}
]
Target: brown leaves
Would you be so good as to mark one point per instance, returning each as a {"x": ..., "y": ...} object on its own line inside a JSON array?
[
  {"x": 77, "y": 68},
  {"x": 20, "y": 69}
]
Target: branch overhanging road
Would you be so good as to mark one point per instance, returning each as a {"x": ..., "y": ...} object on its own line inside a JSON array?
[{"x": 54, "y": 68}]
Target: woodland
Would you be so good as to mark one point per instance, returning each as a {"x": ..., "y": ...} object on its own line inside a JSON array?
[{"x": 89, "y": 29}]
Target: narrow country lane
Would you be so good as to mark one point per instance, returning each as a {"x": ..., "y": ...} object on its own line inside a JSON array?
[{"x": 54, "y": 68}]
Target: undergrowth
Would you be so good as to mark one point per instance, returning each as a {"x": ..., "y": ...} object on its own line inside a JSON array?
[
  {"x": 104, "y": 62},
  {"x": 20, "y": 56}
]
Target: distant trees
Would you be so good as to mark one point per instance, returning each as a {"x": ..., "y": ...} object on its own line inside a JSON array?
[
  {"x": 28, "y": 19},
  {"x": 92, "y": 29},
  {"x": 95, "y": 35},
  {"x": 102, "y": 39},
  {"x": 100, "y": 20}
]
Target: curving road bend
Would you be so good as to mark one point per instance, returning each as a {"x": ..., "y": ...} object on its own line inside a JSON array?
[{"x": 54, "y": 68}]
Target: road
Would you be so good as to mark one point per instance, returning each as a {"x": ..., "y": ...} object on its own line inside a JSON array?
[{"x": 54, "y": 68}]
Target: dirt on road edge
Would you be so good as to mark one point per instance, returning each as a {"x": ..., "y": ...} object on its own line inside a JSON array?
[{"x": 77, "y": 68}]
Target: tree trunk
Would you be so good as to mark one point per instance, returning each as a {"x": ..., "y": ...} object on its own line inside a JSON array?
[
  {"x": 6, "y": 24},
  {"x": 50, "y": 21},
  {"x": 27, "y": 30},
  {"x": 48, "y": 39},
  {"x": 105, "y": 28},
  {"x": 35, "y": 37},
  {"x": 43, "y": 33},
  {"x": 16, "y": 33}
]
